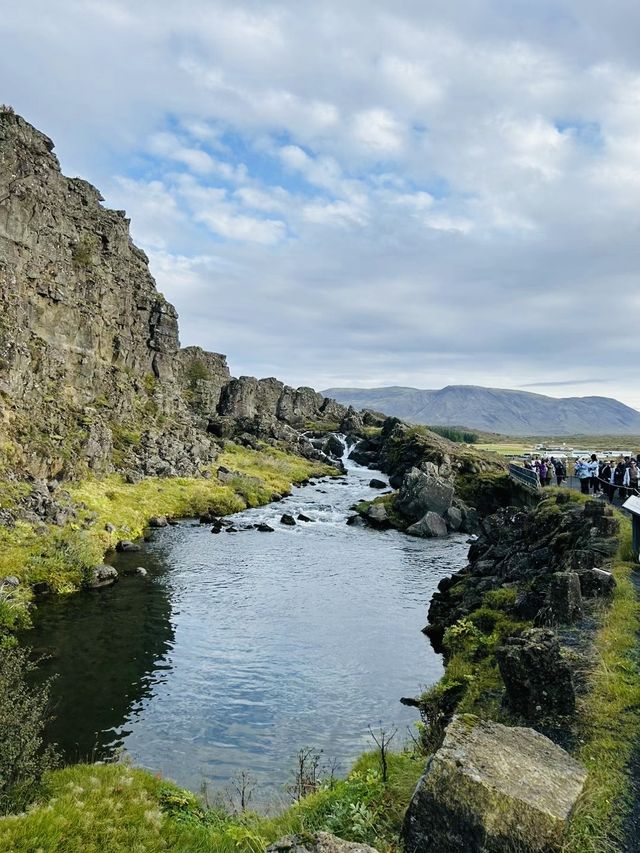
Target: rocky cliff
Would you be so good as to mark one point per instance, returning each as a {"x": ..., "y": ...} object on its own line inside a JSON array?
[{"x": 92, "y": 376}]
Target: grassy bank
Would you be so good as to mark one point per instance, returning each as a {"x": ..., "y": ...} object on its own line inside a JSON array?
[
  {"x": 108, "y": 509},
  {"x": 610, "y": 716},
  {"x": 117, "y": 808}
]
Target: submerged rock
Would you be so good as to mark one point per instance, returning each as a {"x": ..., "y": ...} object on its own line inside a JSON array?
[
  {"x": 493, "y": 788},
  {"x": 265, "y": 528},
  {"x": 320, "y": 842},
  {"x": 141, "y": 571},
  {"x": 287, "y": 519},
  {"x": 303, "y": 517}
]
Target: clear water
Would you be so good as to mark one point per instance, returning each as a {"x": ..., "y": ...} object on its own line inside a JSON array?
[{"x": 238, "y": 649}]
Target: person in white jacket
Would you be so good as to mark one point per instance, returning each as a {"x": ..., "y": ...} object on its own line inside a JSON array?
[{"x": 584, "y": 475}]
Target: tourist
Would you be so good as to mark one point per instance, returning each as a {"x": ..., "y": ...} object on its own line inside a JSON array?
[
  {"x": 618, "y": 478},
  {"x": 606, "y": 475},
  {"x": 551, "y": 472},
  {"x": 542, "y": 472},
  {"x": 561, "y": 471},
  {"x": 631, "y": 478},
  {"x": 594, "y": 470},
  {"x": 583, "y": 473}
]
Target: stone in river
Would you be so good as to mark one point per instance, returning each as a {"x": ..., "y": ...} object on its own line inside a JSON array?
[
  {"x": 264, "y": 528},
  {"x": 102, "y": 576},
  {"x": 124, "y": 545},
  {"x": 287, "y": 519}
]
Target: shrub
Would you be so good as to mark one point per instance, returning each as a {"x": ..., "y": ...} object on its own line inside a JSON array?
[{"x": 24, "y": 711}]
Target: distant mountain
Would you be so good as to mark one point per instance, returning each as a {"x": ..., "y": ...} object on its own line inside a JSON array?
[{"x": 496, "y": 410}]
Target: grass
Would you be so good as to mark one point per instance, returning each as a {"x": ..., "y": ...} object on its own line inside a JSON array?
[
  {"x": 610, "y": 717},
  {"x": 63, "y": 556},
  {"x": 116, "y": 808}
]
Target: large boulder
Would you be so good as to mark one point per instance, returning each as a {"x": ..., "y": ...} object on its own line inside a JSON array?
[
  {"x": 491, "y": 789},
  {"x": 423, "y": 492},
  {"x": 320, "y": 842},
  {"x": 430, "y": 526},
  {"x": 538, "y": 680}
]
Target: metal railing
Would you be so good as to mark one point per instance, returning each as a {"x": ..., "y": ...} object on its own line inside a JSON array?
[{"x": 524, "y": 476}]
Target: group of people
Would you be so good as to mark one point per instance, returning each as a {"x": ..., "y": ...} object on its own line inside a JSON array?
[
  {"x": 551, "y": 471},
  {"x": 608, "y": 476},
  {"x": 596, "y": 476}
]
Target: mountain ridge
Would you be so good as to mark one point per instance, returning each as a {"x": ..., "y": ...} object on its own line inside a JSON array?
[{"x": 499, "y": 410}]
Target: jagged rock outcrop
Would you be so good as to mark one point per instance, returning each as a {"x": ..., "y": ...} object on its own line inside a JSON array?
[
  {"x": 491, "y": 789},
  {"x": 533, "y": 554},
  {"x": 202, "y": 376},
  {"x": 89, "y": 344}
]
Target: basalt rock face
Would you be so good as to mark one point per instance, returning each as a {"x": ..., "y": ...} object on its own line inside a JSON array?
[
  {"x": 92, "y": 376},
  {"x": 87, "y": 344}
]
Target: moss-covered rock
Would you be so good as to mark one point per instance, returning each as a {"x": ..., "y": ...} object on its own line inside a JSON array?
[{"x": 491, "y": 789}]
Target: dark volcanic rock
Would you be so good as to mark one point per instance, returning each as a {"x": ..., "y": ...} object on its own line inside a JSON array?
[
  {"x": 377, "y": 484},
  {"x": 124, "y": 545},
  {"x": 538, "y": 680},
  {"x": 288, "y": 520},
  {"x": 102, "y": 576},
  {"x": 265, "y": 528},
  {"x": 423, "y": 492},
  {"x": 565, "y": 598}
]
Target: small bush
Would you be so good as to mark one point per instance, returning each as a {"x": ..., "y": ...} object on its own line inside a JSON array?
[{"x": 24, "y": 711}]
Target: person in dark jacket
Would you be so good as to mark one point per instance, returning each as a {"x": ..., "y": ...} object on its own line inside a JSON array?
[{"x": 607, "y": 476}]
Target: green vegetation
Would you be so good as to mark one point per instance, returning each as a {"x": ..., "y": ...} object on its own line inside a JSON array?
[
  {"x": 63, "y": 556},
  {"x": 196, "y": 372},
  {"x": 610, "y": 716},
  {"x": 115, "y": 808},
  {"x": 82, "y": 254},
  {"x": 23, "y": 714},
  {"x": 460, "y": 436}
]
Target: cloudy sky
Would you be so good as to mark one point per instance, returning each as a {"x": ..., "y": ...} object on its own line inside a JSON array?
[{"x": 364, "y": 193}]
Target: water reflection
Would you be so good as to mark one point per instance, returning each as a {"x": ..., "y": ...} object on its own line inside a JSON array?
[{"x": 108, "y": 650}]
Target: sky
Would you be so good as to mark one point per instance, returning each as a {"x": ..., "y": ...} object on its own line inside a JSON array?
[{"x": 420, "y": 193}]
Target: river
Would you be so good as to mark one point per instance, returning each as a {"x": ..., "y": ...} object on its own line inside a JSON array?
[{"x": 238, "y": 649}]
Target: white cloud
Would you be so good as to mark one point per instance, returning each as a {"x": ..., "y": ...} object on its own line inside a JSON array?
[{"x": 424, "y": 193}]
